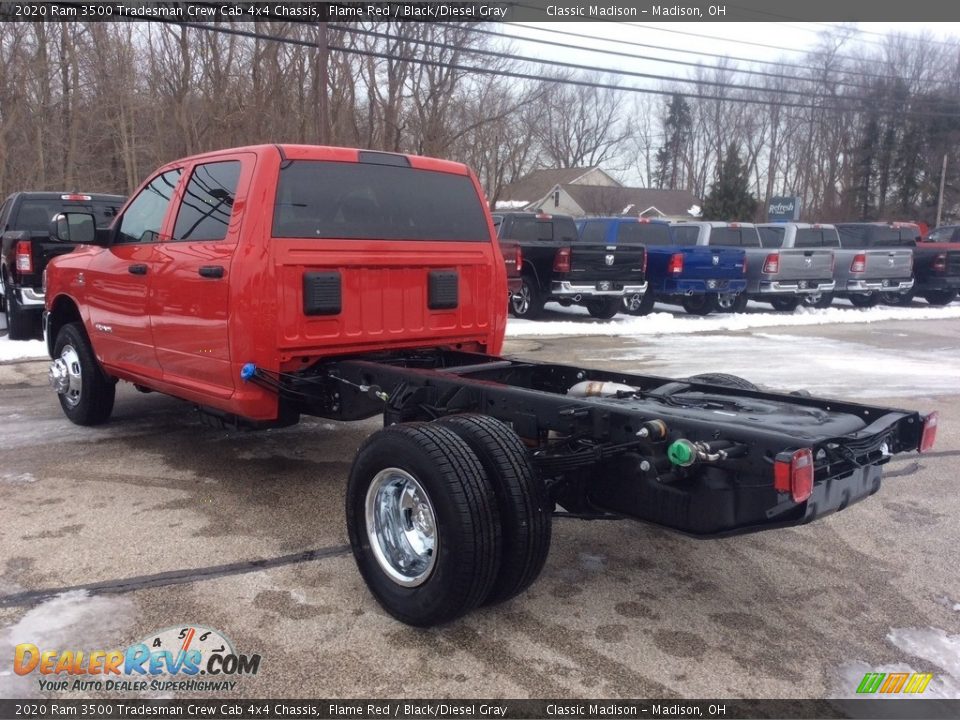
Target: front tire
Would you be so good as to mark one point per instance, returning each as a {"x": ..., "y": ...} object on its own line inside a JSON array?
[
  {"x": 85, "y": 392},
  {"x": 819, "y": 300},
  {"x": 604, "y": 308},
  {"x": 785, "y": 304},
  {"x": 897, "y": 299},
  {"x": 527, "y": 303},
  {"x": 702, "y": 304},
  {"x": 865, "y": 301},
  {"x": 940, "y": 297},
  {"x": 643, "y": 306},
  {"x": 521, "y": 500},
  {"x": 423, "y": 523}
]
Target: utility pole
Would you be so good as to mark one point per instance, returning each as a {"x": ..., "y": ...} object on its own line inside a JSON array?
[{"x": 943, "y": 175}]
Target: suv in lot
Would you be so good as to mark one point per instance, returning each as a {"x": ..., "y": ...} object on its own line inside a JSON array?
[
  {"x": 560, "y": 267},
  {"x": 27, "y": 247}
]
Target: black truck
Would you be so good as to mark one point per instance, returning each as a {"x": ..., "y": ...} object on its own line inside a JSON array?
[
  {"x": 27, "y": 247},
  {"x": 936, "y": 262},
  {"x": 559, "y": 267}
]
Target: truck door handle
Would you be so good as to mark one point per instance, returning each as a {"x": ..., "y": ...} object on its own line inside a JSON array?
[
  {"x": 137, "y": 269},
  {"x": 211, "y": 271}
]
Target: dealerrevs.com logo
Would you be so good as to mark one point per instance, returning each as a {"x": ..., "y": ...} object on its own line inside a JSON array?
[{"x": 191, "y": 658}]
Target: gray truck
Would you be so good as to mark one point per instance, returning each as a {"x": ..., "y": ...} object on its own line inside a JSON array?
[
  {"x": 777, "y": 273},
  {"x": 874, "y": 262}
]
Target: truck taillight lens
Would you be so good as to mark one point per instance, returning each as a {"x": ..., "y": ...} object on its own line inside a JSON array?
[
  {"x": 929, "y": 435},
  {"x": 675, "y": 266},
  {"x": 940, "y": 263},
  {"x": 793, "y": 473},
  {"x": 24, "y": 257},
  {"x": 519, "y": 258},
  {"x": 75, "y": 196},
  {"x": 859, "y": 263},
  {"x": 771, "y": 266},
  {"x": 561, "y": 261}
]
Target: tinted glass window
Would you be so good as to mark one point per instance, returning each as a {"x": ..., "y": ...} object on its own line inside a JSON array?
[
  {"x": 734, "y": 236},
  {"x": 318, "y": 199},
  {"x": 808, "y": 238},
  {"x": 529, "y": 228},
  {"x": 853, "y": 236},
  {"x": 831, "y": 238},
  {"x": 944, "y": 234},
  {"x": 643, "y": 233},
  {"x": 686, "y": 236},
  {"x": 564, "y": 228},
  {"x": 204, "y": 213},
  {"x": 772, "y": 237},
  {"x": 35, "y": 215},
  {"x": 888, "y": 237},
  {"x": 143, "y": 218},
  {"x": 594, "y": 232}
]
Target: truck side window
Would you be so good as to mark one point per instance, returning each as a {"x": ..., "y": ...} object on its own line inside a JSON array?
[
  {"x": 143, "y": 219},
  {"x": 808, "y": 238},
  {"x": 772, "y": 237},
  {"x": 207, "y": 203},
  {"x": 594, "y": 232},
  {"x": 686, "y": 235}
]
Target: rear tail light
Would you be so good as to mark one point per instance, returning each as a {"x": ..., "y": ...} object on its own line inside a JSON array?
[
  {"x": 929, "y": 435},
  {"x": 24, "y": 257},
  {"x": 519, "y": 258},
  {"x": 74, "y": 196},
  {"x": 793, "y": 473},
  {"x": 675, "y": 266},
  {"x": 940, "y": 263},
  {"x": 771, "y": 266},
  {"x": 859, "y": 263},
  {"x": 561, "y": 261}
]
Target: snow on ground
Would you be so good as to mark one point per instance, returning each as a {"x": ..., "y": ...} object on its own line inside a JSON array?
[
  {"x": 834, "y": 368},
  {"x": 677, "y": 322},
  {"x": 19, "y": 349}
]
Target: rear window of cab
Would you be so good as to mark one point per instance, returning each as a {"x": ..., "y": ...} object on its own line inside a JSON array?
[{"x": 368, "y": 201}]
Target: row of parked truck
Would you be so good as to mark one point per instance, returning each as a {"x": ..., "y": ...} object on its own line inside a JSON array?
[{"x": 626, "y": 264}]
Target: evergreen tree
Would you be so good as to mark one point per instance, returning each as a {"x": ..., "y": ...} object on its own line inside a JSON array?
[
  {"x": 677, "y": 129},
  {"x": 730, "y": 197}
]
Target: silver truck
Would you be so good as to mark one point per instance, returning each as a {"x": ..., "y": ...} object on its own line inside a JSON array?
[
  {"x": 874, "y": 261},
  {"x": 778, "y": 273}
]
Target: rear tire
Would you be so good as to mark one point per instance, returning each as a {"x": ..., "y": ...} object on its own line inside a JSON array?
[
  {"x": 527, "y": 303},
  {"x": 725, "y": 380},
  {"x": 604, "y": 308},
  {"x": 423, "y": 523},
  {"x": 521, "y": 500},
  {"x": 643, "y": 307},
  {"x": 940, "y": 297},
  {"x": 731, "y": 302},
  {"x": 865, "y": 301},
  {"x": 702, "y": 304},
  {"x": 89, "y": 394},
  {"x": 787, "y": 304},
  {"x": 817, "y": 300},
  {"x": 20, "y": 323}
]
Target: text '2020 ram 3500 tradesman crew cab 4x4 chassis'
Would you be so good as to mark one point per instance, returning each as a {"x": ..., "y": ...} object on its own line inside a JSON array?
[{"x": 270, "y": 282}]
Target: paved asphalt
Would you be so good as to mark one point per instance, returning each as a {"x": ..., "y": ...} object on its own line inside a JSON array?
[{"x": 622, "y": 609}]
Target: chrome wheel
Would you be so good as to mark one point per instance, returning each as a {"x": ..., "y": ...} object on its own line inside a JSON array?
[
  {"x": 726, "y": 301},
  {"x": 401, "y": 527},
  {"x": 65, "y": 377},
  {"x": 521, "y": 301}
]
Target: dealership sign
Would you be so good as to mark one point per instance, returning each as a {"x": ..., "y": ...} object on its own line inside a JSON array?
[{"x": 783, "y": 209}]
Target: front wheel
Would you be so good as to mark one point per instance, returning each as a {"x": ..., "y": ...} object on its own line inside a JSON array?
[
  {"x": 818, "y": 300},
  {"x": 640, "y": 304},
  {"x": 423, "y": 523},
  {"x": 604, "y": 308},
  {"x": 898, "y": 299},
  {"x": 86, "y": 393},
  {"x": 702, "y": 304},
  {"x": 785, "y": 304},
  {"x": 865, "y": 301},
  {"x": 527, "y": 303},
  {"x": 940, "y": 297},
  {"x": 732, "y": 302}
]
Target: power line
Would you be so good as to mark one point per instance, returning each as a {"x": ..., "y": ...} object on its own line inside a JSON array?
[
  {"x": 548, "y": 79},
  {"x": 701, "y": 53}
]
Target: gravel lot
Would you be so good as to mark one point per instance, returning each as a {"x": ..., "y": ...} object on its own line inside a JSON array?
[{"x": 622, "y": 609}]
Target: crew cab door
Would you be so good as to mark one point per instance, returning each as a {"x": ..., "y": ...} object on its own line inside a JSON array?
[
  {"x": 117, "y": 281},
  {"x": 190, "y": 306}
]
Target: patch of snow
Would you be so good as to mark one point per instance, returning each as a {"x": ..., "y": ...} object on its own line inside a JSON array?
[
  {"x": 679, "y": 323},
  {"x": 21, "y": 349},
  {"x": 74, "y": 620},
  {"x": 695, "y": 210},
  {"x": 593, "y": 563},
  {"x": 511, "y": 204},
  {"x": 17, "y": 478},
  {"x": 826, "y": 371}
]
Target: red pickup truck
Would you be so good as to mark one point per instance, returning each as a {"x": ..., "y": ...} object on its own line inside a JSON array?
[{"x": 270, "y": 282}]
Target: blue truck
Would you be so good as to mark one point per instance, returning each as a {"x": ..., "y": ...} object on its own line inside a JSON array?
[{"x": 701, "y": 279}]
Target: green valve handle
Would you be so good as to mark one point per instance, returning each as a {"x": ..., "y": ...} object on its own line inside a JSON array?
[{"x": 682, "y": 453}]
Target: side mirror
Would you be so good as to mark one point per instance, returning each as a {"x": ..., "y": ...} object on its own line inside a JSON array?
[{"x": 74, "y": 227}]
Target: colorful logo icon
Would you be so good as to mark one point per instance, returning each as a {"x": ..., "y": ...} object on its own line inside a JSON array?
[{"x": 889, "y": 683}]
